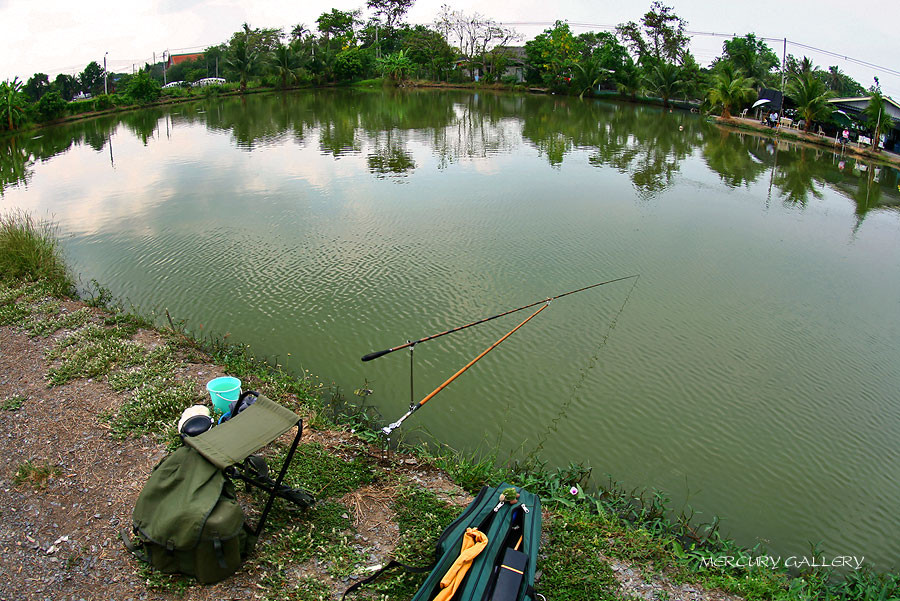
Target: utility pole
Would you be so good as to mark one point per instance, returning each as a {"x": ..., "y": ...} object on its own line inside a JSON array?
[
  {"x": 105, "y": 89},
  {"x": 783, "y": 73},
  {"x": 877, "y": 126},
  {"x": 164, "y": 67}
]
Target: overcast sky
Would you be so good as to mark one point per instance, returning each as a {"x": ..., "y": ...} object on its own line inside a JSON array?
[{"x": 61, "y": 36}]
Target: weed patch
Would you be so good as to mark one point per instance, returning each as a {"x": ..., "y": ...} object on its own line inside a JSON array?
[
  {"x": 469, "y": 471},
  {"x": 154, "y": 408},
  {"x": 421, "y": 517},
  {"x": 13, "y": 403},
  {"x": 305, "y": 588},
  {"x": 92, "y": 351},
  {"x": 173, "y": 584},
  {"x": 324, "y": 531},
  {"x": 17, "y": 300},
  {"x": 44, "y": 324},
  {"x": 35, "y": 474},
  {"x": 571, "y": 563},
  {"x": 325, "y": 475},
  {"x": 30, "y": 251}
]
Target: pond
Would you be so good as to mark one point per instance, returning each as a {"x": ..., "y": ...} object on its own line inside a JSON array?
[{"x": 751, "y": 371}]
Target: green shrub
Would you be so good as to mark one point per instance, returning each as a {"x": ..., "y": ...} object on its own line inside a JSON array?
[
  {"x": 103, "y": 102},
  {"x": 29, "y": 251},
  {"x": 77, "y": 107},
  {"x": 51, "y": 106},
  {"x": 351, "y": 63},
  {"x": 143, "y": 88}
]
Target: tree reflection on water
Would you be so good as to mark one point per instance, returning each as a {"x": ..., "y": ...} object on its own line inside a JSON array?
[{"x": 646, "y": 143}]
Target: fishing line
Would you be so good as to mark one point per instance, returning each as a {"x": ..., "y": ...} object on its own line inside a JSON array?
[{"x": 553, "y": 426}]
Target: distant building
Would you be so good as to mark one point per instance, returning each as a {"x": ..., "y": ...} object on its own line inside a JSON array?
[
  {"x": 175, "y": 59},
  {"x": 515, "y": 61},
  {"x": 858, "y": 104},
  {"x": 855, "y": 106}
]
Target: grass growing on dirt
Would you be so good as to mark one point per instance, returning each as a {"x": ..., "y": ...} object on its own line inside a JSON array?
[
  {"x": 571, "y": 564},
  {"x": 323, "y": 531},
  {"x": 35, "y": 474},
  {"x": 13, "y": 403},
  {"x": 421, "y": 517},
  {"x": 324, "y": 474},
  {"x": 30, "y": 251}
]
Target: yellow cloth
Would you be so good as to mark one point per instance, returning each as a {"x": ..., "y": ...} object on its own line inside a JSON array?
[{"x": 474, "y": 541}]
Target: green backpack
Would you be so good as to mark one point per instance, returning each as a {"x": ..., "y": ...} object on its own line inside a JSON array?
[{"x": 187, "y": 520}]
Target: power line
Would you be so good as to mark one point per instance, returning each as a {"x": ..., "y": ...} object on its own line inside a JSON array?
[
  {"x": 600, "y": 26},
  {"x": 692, "y": 32}
]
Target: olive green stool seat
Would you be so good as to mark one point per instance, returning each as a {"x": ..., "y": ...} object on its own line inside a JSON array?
[{"x": 228, "y": 446}]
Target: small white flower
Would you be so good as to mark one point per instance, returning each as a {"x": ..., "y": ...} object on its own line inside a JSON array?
[{"x": 574, "y": 490}]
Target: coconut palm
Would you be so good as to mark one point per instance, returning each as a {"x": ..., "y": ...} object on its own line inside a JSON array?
[
  {"x": 730, "y": 89},
  {"x": 283, "y": 60},
  {"x": 12, "y": 103},
  {"x": 834, "y": 79},
  {"x": 811, "y": 97},
  {"x": 665, "y": 79},
  {"x": 877, "y": 117},
  {"x": 587, "y": 74},
  {"x": 242, "y": 59},
  {"x": 628, "y": 78}
]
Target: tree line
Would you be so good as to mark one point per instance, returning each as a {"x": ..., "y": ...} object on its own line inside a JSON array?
[{"x": 650, "y": 56}]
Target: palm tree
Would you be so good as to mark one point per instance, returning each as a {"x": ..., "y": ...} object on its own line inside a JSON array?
[
  {"x": 588, "y": 73},
  {"x": 730, "y": 88},
  {"x": 834, "y": 79},
  {"x": 12, "y": 103},
  {"x": 242, "y": 58},
  {"x": 806, "y": 66},
  {"x": 877, "y": 117},
  {"x": 810, "y": 95},
  {"x": 282, "y": 60},
  {"x": 665, "y": 79},
  {"x": 628, "y": 78}
]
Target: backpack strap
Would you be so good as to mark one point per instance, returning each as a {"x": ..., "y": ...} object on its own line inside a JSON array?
[
  {"x": 220, "y": 556},
  {"x": 392, "y": 564},
  {"x": 135, "y": 548}
]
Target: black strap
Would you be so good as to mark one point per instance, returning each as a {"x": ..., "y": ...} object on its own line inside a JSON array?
[
  {"x": 131, "y": 546},
  {"x": 220, "y": 556},
  {"x": 392, "y": 564}
]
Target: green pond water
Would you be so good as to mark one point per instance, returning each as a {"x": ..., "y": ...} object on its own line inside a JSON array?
[{"x": 753, "y": 370}]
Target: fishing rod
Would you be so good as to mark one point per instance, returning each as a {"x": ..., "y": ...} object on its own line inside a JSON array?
[
  {"x": 377, "y": 354},
  {"x": 413, "y": 407}
]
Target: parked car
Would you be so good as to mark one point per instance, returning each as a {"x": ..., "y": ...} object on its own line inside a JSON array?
[{"x": 209, "y": 81}]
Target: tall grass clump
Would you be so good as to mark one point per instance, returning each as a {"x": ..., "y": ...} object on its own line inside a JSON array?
[{"x": 30, "y": 251}]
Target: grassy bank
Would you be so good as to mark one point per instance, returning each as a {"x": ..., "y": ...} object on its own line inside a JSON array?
[
  {"x": 878, "y": 157},
  {"x": 594, "y": 545}
]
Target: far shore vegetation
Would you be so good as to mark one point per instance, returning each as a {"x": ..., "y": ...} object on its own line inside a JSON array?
[
  {"x": 644, "y": 60},
  {"x": 582, "y": 527}
]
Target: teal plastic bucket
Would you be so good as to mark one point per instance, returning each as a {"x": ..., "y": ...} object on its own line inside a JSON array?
[{"x": 223, "y": 392}]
